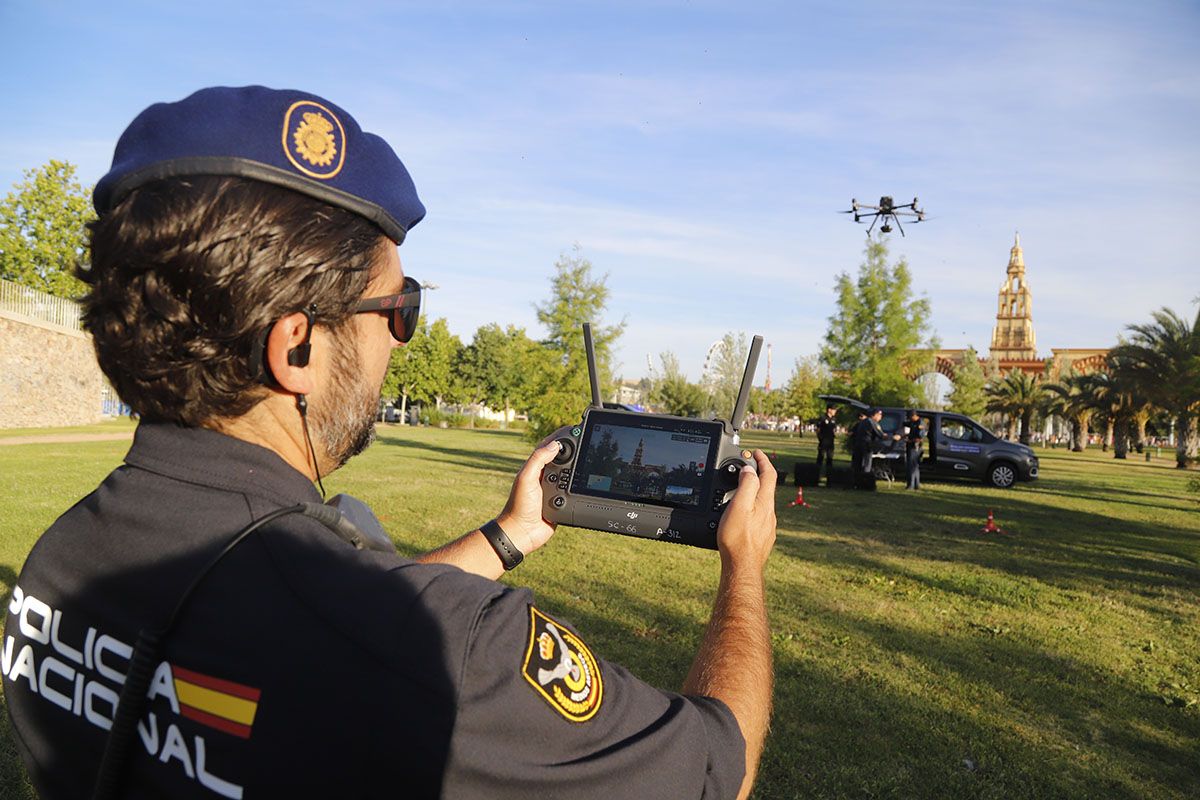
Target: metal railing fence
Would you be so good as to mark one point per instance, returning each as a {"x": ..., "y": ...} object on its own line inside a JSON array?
[{"x": 60, "y": 311}]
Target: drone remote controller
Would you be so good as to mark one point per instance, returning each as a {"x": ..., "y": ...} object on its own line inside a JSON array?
[{"x": 655, "y": 476}]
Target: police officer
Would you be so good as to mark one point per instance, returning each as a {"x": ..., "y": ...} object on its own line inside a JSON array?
[
  {"x": 860, "y": 449},
  {"x": 249, "y": 641},
  {"x": 826, "y": 433},
  {"x": 914, "y": 439},
  {"x": 867, "y": 438}
]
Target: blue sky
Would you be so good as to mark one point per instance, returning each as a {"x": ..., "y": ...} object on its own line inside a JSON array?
[{"x": 697, "y": 151}]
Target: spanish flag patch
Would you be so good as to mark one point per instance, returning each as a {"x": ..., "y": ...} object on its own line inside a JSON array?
[
  {"x": 215, "y": 702},
  {"x": 562, "y": 669}
]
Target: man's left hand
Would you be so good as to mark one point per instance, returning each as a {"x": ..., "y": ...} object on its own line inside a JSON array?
[{"x": 521, "y": 518}]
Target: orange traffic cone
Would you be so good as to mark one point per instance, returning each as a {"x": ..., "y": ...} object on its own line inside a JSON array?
[
  {"x": 991, "y": 526},
  {"x": 799, "y": 501}
]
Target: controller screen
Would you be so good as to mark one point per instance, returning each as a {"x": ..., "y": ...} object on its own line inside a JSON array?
[{"x": 645, "y": 465}]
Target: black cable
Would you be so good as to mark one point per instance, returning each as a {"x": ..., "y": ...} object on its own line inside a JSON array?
[
  {"x": 302, "y": 405},
  {"x": 147, "y": 653}
]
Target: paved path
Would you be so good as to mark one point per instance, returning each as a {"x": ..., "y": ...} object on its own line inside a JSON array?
[{"x": 57, "y": 438}]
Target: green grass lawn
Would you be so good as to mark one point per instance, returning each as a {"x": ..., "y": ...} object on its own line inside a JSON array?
[
  {"x": 109, "y": 426},
  {"x": 914, "y": 656}
]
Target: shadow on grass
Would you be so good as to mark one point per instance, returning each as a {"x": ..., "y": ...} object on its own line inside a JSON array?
[
  {"x": 480, "y": 459},
  {"x": 1121, "y": 496},
  {"x": 1096, "y": 709},
  {"x": 1057, "y": 545},
  {"x": 840, "y": 729}
]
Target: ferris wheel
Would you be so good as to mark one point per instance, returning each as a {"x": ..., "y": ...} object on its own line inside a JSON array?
[{"x": 715, "y": 351}]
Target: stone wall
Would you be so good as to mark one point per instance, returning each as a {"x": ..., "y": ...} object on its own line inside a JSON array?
[{"x": 48, "y": 375}]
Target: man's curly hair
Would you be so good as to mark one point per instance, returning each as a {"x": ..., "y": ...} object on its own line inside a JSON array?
[{"x": 187, "y": 272}]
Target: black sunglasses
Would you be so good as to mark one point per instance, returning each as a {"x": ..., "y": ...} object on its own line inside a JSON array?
[{"x": 405, "y": 308}]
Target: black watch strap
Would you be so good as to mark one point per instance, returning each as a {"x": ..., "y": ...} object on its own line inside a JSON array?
[{"x": 510, "y": 556}]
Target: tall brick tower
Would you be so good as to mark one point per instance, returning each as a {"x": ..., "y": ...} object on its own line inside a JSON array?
[{"x": 1013, "y": 338}]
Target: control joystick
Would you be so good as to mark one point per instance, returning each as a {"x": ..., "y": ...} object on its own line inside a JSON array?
[
  {"x": 566, "y": 451},
  {"x": 729, "y": 472}
]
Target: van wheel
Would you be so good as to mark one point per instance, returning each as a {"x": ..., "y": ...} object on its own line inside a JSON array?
[{"x": 1002, "y": 475}]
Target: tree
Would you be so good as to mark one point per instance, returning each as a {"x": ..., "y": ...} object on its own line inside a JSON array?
[
  {"x": 424, "y": 369},
  {"x": 1119, "y": 402},
  {"x": 559, "y": 377},
  {"x": 1069, "y": 398},
  {"x": 967, "y": 395},
  {"x": 577, "y": 297},
  {"x": 767, "y": 402},
  {"x": 1017, "y": 395},
  {"x": 1162, "y": 359},
  {"x": 800, "y": 392},
  {"x": 403, "y": 372},
  {"x": 435, "y": 357},
  {"x": 43, "y": 230},
  {"x": 672, "y": 393},
  {"x": 492, "y": 368},
  {"x": 1110, "y": 404},
  {"x": 725, "y": 375},
  {"x": 876, "y": 323}
]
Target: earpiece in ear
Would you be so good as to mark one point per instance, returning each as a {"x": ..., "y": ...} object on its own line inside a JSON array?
[{"x": 298, "y": 355}]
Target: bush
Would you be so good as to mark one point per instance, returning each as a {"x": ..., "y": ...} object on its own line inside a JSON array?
[{"x": 444, "y": 419}]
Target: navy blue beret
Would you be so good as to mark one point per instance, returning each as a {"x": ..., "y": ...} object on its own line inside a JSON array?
[{"x": 289, "y": 138}]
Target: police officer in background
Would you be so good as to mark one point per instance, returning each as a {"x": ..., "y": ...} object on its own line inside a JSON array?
[
  {"x": 250, "y": 641},
  {"x": 826, "y": 434},
  {"x": 913, "y": 441},
  {"x": 860, "y": 449},
  {"x": 866, "y": 439}
]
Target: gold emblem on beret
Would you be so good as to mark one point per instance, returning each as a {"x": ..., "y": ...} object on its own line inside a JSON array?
[{"x": 314, "y": 140}]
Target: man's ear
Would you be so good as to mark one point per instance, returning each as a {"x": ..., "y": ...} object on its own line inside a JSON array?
[{"x": 287, "y": 353}]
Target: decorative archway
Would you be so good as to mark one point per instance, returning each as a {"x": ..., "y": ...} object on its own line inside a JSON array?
[{"x": 923, "y": 362}]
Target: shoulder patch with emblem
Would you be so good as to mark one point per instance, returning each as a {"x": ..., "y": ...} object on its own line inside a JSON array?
[{"x": 562, "y": 669}]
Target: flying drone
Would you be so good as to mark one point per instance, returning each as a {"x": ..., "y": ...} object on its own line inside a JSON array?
[{"x": 886, "y": 209}]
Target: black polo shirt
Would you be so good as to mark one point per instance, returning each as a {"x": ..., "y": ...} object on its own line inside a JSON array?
[
  {"x": 826, "y": 431},
  {"x": 303, "y": 667},
  {"x": 914, "y": 436}
]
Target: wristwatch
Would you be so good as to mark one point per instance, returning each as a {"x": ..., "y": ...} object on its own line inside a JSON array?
[{"x": 509, "y": 555}]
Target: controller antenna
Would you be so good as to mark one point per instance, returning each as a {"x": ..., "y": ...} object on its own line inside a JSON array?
[
  {"x": 739, "y": 409},
  {"x": 591, "y": 362}
]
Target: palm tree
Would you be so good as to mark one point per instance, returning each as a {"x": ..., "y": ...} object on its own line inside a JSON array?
[
  {"x": 1069, "y": 399},
  {"x": 999, "y": 403},
  {"x": 1016, "y": 395},
  {"x": 1119, "y": 402},
  {"x": 1163, "y": 359},
  {"x": 1101, "y": 395}
]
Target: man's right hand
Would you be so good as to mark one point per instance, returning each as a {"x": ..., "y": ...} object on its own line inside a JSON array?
[
  {"x": 733, "y": 663},
  {"x": 747, "y": 531}
]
